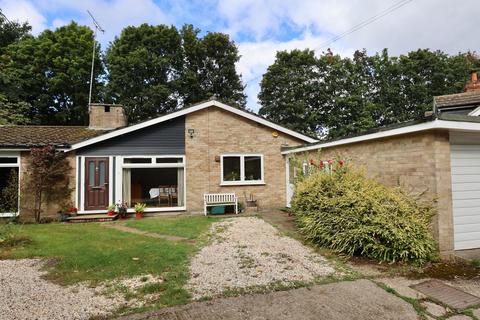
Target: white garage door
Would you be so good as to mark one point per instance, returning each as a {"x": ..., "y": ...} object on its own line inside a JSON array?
[{"x": 465, "y": 162}]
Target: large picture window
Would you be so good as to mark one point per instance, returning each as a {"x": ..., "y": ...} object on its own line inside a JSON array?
[
  {"x": 156, "y": 181},
  {"x": 242, "y": 169},
  {"x": 9, "y": 183}
]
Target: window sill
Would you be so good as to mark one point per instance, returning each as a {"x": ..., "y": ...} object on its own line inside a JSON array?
[
  {"x": 242, "y": 183},
  {"x": 8, "y": 214}
]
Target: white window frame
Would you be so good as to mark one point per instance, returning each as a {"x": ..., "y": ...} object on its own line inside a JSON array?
[
  {"x": 242, "y": 180},
  {"x": 153, "y": 164},
  {"x": 15, "y": 155},
  {"x": 119, "y": 166}
]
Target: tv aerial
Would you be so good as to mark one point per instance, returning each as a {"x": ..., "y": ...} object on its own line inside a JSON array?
[{"x": 97, "y": 28}]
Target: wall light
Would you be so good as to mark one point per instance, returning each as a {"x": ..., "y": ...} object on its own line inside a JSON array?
[{"x": 191, "y": 132}]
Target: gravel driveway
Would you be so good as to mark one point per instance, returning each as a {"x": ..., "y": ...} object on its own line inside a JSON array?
[
  {"x": 247, "y": 252},
  {"x": 24, "y": 295}
]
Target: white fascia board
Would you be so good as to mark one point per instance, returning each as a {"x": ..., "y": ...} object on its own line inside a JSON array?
[
  {"x": 187, "y": 111},
  {"x": 436, "y": 124}
]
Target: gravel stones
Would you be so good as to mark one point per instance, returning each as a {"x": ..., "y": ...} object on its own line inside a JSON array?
[
  {"x": 25, "y": 295},
  {"x": 246, "y": 252}
]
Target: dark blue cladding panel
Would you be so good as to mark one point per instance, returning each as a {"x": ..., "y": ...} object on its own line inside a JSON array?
[{"x": 162, "y": 139}]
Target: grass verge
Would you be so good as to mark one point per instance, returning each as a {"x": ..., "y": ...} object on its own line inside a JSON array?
[{"x": 187, "y": 227}]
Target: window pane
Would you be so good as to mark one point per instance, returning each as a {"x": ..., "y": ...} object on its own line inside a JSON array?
[
  {"x": 91, "y": 174},
  {"x": 8, "y": 160},
  {"x": 137, "y": 160},
  {"x": 253, "y": 168},
  {"x": 231, "y": 168},
  {"x": 169, "y": 160},
  {"x": 156, "y": 187},
  {"x": 8, "y": 190},
  {"x": 101, "y": 169}
]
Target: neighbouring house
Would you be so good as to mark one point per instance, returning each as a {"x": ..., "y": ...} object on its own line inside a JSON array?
[
  {"x": 438, "y": 155},
  {"x": 168, "y": 162}
]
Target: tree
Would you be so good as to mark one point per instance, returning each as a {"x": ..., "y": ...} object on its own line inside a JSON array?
[
  {"x": 218, "y": 75},
  {"x": 156, "y": 69},
  {"x": 52, "y": 73},
  {"x": 291, "y": 93},
  {"x": 13, "y": 112},
  {"x": 12, "y": 32},
  {"x": 334, "y": 96},
  {"x": 47, "y": 178},
  {"x": 144, "y": 67}
]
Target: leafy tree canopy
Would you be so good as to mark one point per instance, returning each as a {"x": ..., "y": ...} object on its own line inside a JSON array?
[
  {"x": 51, "y": 73},
  {"x": 11, "y": 32},
  {"x": 156, "y": 69},
  {"x": 333, "y": 96}
]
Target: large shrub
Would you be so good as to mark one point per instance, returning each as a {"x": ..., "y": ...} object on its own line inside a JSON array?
[{"x": 350, "y": 213}]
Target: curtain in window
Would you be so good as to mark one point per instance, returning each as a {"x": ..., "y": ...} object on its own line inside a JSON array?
[
  {"x": 127, "y": 186},
  {"x": 181, "y": 187}
]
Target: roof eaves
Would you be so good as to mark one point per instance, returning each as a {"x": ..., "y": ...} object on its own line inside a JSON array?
[{"x": 184, "y": 111}]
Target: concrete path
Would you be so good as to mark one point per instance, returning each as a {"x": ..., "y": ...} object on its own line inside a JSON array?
[
  {"x": 124, "y": 228},
  {"x": 359, "y": 300}
]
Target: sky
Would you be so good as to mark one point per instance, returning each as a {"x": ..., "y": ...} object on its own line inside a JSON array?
[{"x": 261, "y": 28}]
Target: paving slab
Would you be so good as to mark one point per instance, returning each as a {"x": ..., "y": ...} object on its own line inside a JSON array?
[
  {"x": 447, "y": 295},
  {"x": 459, "y": 317},
  {"x": 434, "y": 309},
  {"x": 476, "y": 313},
  {"x": 403, "y": 286},
  {"x": 360, "y": 300}
]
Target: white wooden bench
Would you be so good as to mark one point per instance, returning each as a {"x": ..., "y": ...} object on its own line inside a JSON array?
[{"x": 220, "y": 199}]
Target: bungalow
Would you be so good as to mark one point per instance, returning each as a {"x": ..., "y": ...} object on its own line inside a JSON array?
[
  {"x": 168, "y": 162},
  {"x": 438, "y": 155}
]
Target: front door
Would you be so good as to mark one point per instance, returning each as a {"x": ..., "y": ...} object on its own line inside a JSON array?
[{"x": 96, "y": 183}]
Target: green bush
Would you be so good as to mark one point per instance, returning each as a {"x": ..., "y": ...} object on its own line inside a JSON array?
[{"x": 349, "y": 213}]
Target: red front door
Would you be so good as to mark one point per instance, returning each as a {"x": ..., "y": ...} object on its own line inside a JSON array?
[{"x": 96, "y": 183}]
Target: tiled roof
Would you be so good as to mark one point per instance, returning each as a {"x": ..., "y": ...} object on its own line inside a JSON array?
[
  {"x": 459, "y": 99},
  {"x": 30, "y": 136}
]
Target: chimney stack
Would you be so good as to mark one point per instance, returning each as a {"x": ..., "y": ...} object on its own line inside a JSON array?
[
  {"x": 473, "y": 84},
  {"x": 104, "y": 116}
]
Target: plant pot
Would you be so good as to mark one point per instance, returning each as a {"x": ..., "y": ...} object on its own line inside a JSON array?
[
  {"x": 110, "y": 213},
  {"x": 63, "y": 217},
  {"x": 138, "y": 215}
]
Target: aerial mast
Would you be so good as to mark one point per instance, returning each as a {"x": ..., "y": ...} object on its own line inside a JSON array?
[{"x": 97, "y": 28}]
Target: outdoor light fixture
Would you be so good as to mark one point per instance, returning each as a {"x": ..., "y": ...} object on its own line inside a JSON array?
[{"x": 191, "y": 132}]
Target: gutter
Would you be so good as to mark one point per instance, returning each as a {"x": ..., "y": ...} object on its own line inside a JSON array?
[{"x": 473, "y": 125}]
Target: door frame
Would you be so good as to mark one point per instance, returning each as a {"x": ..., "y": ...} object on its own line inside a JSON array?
[
  {"x": 80, "y": 187},
  {"x": 96, "y": 160},
  {"x": 289, "y": 188}
]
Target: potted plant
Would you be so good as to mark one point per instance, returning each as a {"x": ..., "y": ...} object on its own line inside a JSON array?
[
  {"x": 139, "y": 209},
  {"x": 122, "y": 210},
  {"x": 111, "y": 210},
  {"x": 241, "y": 207},
  {"x": 63, "y": 215},
  {"x": 73, "y": 211}
]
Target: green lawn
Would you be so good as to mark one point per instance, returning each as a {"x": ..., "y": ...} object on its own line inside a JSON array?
[
  {"x": 187, "y": 227},
  {"x": 91, "y": 252}
]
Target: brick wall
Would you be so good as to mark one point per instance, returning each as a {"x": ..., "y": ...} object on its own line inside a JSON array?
[
  {"x": 105, "y": 116},
  {"x": 218, "y": 132},
  {"x": 49, "y": 209},
  {"x": 420, "y": 162}
]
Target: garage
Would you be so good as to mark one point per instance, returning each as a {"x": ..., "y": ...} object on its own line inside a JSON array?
[{"x": 465, "y": 169}]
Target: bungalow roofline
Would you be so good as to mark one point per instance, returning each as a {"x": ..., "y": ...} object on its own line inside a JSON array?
[
  {"x": 185, "y": 111},
  {"x": 455, "y": 124}
]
